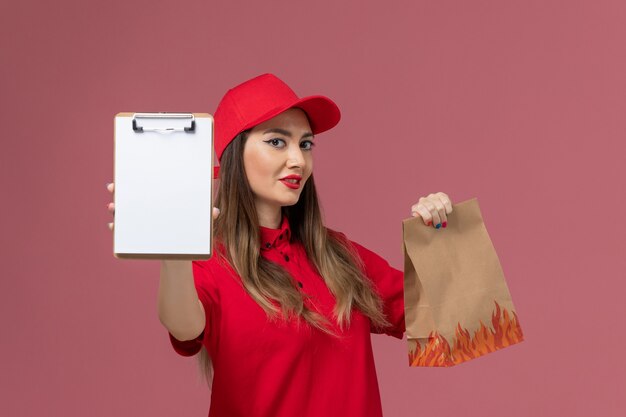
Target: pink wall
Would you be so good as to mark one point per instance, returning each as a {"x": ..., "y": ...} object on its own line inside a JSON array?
[{"x": 520, "y": 104}]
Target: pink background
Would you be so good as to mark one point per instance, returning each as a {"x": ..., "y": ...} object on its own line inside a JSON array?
[{"x": 520, "y": 104}]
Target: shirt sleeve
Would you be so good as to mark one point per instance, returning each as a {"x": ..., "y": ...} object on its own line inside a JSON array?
[
  {"x": 389, "y": 283},
  {"x": 201, "y": 276}
]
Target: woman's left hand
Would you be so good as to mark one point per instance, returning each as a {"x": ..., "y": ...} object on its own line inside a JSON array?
[{"x": 433, "y": 209}]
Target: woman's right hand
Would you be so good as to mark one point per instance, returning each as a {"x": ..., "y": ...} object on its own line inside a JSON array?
[{"x": 111, "y": 205}]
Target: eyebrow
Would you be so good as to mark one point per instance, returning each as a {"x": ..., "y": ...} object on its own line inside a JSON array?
[{"x": 287, "y": 133}]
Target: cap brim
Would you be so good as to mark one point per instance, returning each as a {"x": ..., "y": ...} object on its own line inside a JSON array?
[{"x": 322, "y": 112}]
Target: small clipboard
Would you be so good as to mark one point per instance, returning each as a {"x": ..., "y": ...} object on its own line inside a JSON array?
[{"x": 163, "y": 174}]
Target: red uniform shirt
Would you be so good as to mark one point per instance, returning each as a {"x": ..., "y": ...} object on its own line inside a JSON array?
[{"x": 277, "y": 369}]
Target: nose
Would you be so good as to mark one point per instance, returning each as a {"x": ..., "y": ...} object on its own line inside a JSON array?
[{"x": 295, "y": 157}]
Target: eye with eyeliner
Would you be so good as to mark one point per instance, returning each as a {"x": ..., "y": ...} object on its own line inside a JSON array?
[{"x": 270, "y": 141}]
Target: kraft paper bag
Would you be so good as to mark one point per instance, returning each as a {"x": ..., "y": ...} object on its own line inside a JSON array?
[{"x": 457, "y": 303}]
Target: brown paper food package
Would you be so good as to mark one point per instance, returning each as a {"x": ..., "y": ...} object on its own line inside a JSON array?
[{"x": 456, "y": 300}]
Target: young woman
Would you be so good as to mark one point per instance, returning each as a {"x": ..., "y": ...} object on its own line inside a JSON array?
[{"x": 282, "y": 313}]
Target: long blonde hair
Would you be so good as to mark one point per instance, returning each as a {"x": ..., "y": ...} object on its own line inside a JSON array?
[{"x": 237, "y": 228}]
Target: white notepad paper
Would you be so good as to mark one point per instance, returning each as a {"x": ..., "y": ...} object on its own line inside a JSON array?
[{"x": 163, "y": 185}]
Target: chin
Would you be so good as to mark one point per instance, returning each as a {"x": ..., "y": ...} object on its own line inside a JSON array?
[{"x": 290, "y": 202}]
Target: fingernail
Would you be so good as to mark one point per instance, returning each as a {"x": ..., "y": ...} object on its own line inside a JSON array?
[
  {"x": 438, "y": 225},
  {"x": 445, "y": 224}
]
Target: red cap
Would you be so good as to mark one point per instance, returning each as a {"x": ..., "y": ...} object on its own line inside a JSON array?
[{"x": 260, "y": 99}]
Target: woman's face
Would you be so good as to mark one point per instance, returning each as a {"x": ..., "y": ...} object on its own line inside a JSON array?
[{"x": 275, "y": 149}]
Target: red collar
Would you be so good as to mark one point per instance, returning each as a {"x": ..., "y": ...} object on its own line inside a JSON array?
[{"x": 275, "y": 237}]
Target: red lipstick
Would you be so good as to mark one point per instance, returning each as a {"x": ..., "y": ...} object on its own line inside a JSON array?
[{"x": 293, "y": 183}]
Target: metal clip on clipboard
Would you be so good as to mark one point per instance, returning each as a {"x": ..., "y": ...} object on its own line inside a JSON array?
[{"x": 160, "y": 117}]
